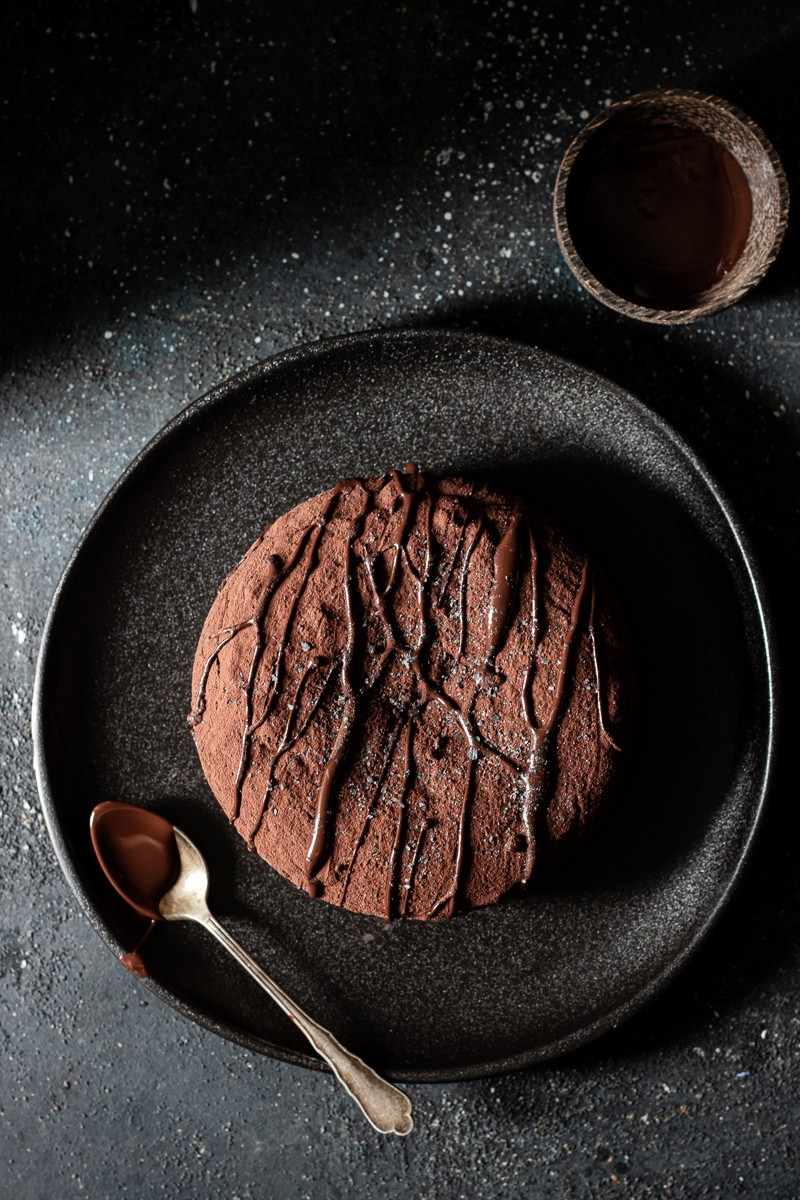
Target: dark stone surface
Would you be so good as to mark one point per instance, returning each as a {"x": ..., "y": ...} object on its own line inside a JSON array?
[{"x": 186, "y": 191}]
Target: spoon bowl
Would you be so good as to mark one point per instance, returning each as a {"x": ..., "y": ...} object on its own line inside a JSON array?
[{"x": 138, "y": 853}]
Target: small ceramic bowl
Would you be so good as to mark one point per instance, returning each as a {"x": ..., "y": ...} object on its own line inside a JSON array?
[{"x": 698, "y": 114}]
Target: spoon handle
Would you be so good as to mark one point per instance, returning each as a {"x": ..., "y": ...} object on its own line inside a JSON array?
[{"x": 386, "y": 1108}]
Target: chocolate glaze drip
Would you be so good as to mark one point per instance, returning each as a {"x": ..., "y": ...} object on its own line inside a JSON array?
[
  {"x": 537, "y": 774},
  {"x": 598, "y": 685},
  {"x": 408, "y": 500},
  {"x": 277, "y": 571},
  {"x": 196, "y": 715},
  {"x": 318, "y": 837},
  {"x": 290, "y": 735},
  {"x": 133, "y": 960},
  {"x": 415, "y": 849},
  {"x": 411, "y": 652},
  {"x": 463, "y": 520},
  {"x": 277, "y": 666},
  {"x": 462, "y": 587},
  {"x": 428, "y": 692},
  {"x": 448, "y": 901},
  {"x": 310, "y": 536},
  {"x": 506, "y": 571},
  {"x": 276, "y": 574},
  {"x": 536, "y": 761},
  {"x": 370, "y": 809},
  {"x": 402, "y": 805},
  {"x": 316, "y": 853}
]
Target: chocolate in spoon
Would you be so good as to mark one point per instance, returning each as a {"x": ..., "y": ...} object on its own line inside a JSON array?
[{"x": 162, "y": 875}]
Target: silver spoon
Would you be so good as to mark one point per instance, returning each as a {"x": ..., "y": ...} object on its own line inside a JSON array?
[{"x": 386, "y": 1108}]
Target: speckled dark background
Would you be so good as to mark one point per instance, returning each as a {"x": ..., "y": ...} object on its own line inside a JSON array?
[{"x": 189, "y": 187}]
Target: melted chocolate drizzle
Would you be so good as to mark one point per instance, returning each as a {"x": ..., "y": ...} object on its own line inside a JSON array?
[
  {"x": 502, "y": 604},
  {"x": 134, "y": 961},
  {"x": 277, "y": 572},
  {"x": 601, "y": 720},
  {"x": 402, "y": 806},
  {"x": 504, "y": 585},
  {"x": 538, "y": 772},
  {"x": 370, "y": 809},
  {"x": 318, "y": 836},
  {"x": 415, "y": 849},
  {"x": 462, "y": 530},
  {"x": 290, "y": 736},
  {"x": 462, "y": 587}
]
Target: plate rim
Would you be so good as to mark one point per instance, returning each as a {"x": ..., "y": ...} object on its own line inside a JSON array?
[{"x": 262, "y": 370}]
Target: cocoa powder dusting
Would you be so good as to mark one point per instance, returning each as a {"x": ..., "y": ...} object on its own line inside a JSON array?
[{"x": 411, "y": 694}]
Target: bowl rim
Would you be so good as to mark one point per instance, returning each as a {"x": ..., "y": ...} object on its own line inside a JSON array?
[{"x": 721, "y": 294}]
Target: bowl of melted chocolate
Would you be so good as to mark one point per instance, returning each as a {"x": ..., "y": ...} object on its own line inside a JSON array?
[{"x": 670, "y": 206}]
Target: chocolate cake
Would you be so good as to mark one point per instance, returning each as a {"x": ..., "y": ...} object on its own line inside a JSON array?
[{"x": 411, "y": 695}]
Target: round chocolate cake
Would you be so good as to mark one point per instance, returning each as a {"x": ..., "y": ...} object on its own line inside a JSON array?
[{"x": 411, "y": 695}]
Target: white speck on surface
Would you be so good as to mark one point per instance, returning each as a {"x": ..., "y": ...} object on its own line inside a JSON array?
[{"x": 18, "y": 631}]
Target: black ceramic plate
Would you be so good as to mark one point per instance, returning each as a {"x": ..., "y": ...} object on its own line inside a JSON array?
[{"x": 497, "y": 988}]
